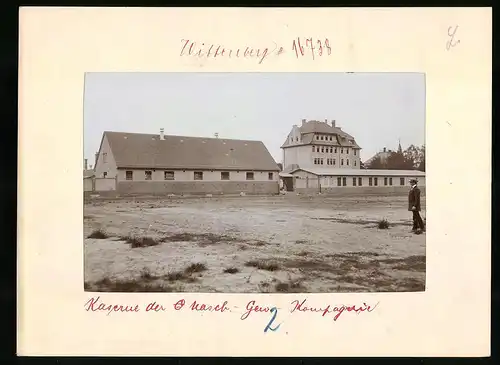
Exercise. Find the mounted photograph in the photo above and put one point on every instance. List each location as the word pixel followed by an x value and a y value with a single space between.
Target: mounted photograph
pixel 254 182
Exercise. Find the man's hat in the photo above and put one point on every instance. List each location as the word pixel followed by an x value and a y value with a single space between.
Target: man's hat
pixel 413 181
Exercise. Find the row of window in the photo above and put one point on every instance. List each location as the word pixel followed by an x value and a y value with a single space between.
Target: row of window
pixel 198 175
pixel 325 149
pixel 372 181
pixel 332 161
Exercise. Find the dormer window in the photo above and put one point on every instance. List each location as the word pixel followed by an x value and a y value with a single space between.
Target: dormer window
pixel 317 137
pixel 321 137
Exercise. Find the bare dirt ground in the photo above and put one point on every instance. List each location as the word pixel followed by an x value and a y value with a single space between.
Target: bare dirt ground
pixel 253 244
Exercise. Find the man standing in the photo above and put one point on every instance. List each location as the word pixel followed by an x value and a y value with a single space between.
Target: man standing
pixel 414 206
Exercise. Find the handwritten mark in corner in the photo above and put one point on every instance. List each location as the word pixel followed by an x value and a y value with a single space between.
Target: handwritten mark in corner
pixel 452 40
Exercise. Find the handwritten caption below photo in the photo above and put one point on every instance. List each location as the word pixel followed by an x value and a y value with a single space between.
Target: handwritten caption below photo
pixel 270 322
pixel 299 48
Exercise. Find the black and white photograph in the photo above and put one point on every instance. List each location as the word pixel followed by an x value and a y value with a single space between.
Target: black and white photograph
pixel 254 182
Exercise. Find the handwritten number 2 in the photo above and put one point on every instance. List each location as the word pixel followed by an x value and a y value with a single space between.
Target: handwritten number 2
pixel 274 311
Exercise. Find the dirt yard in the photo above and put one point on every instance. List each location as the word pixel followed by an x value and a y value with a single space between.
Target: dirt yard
pixel 253 244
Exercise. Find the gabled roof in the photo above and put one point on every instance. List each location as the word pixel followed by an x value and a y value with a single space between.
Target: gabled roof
pixel 134 150
pixel 309 129
pixel 359 172
pixel 315 126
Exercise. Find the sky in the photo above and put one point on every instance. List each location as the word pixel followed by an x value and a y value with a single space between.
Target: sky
pixel 378 109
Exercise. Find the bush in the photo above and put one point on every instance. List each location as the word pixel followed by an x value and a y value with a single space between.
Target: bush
pixel 231 270
pixel 262 265
pixel 383 224
pixel 98 234
pixel 136 242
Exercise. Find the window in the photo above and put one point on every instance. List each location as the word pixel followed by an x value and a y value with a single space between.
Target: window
pixel 321 160
pixel 385 181
pixel 322 149
pixel 168 175
pixel 335 149
pixel 347 151
pixel 104 157
pixel 129 175
pixel 327 161
pixel 104 174
pixel 390 181
pixel 330 138
pixel 321 137
pixel 354 162
pixel 331 149
pixel 344 181
pixel 339 181
pixel 224 175
pixel 333 161
pixel 198 175
pixel 401 181
pixel 315 161
pixel 341 150
pixel 360 181
pixel 375 181
pixel 296 139
pixel 313 149
pixel 347 161
pixel 148 175
pixel 354 152
pixel 342 162
pixel 249 175
pixel 317 137
pixel 353 181
pixel 270 176
pixel 370 181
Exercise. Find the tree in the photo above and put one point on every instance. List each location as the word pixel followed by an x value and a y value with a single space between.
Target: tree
pixel 421 165
pixel 398 161
pixel 377 164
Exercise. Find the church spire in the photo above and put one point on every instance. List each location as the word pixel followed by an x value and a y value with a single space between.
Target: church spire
pixel 400 150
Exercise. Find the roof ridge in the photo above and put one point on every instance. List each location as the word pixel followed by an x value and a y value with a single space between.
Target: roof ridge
pixel 184 136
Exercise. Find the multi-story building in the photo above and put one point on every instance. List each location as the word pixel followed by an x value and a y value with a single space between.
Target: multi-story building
pixel 320 144
pixel 321 157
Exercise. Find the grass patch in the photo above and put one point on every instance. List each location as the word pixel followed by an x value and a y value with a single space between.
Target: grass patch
pixel 99 234
pixel 137 241
pixel 383 224
pixel 410 263
pixel 186 274
pixel 203 239
pixel 263 265
pixel 127 286
pixel 193 268
pixel 231 270
pixel 290 287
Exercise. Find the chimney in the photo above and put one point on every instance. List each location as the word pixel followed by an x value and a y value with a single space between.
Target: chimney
pixel 216 135
pixel 162 135
pixel 333 123
pixel 303 122
pixel 384 149
pixel 85 166
pixel 96 156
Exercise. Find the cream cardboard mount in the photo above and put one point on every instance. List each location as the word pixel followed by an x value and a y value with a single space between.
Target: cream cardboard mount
pixel 451 46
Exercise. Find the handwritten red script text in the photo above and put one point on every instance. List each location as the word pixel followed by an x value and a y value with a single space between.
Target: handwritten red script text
pixel 306 47
pixel 300 306
pixel 94 305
